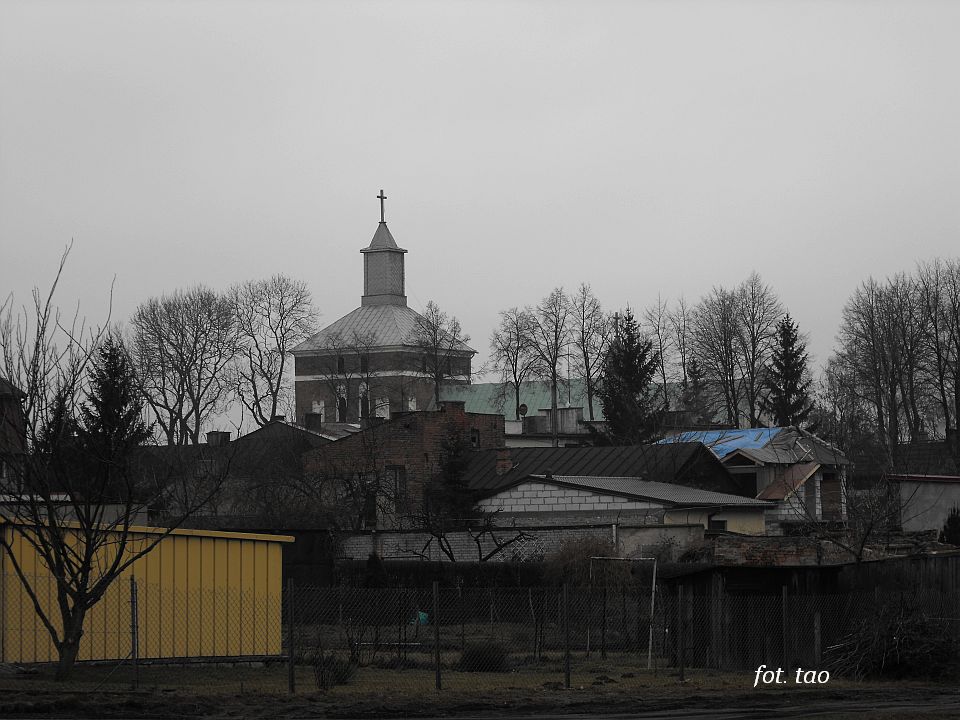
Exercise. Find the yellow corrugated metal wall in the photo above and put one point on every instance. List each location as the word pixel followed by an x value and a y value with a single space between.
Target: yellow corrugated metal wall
pixel 200 594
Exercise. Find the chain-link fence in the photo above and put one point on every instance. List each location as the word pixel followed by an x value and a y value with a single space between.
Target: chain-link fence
pixel 574 635
pixel 479 638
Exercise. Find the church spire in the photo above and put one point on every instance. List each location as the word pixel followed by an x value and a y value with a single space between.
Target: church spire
pixel 383 271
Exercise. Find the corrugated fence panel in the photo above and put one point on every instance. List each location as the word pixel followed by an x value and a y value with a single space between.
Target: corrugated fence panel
pixel 200 594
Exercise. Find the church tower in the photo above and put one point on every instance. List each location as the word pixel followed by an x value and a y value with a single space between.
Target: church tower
pixel 383 275
pixel 368 364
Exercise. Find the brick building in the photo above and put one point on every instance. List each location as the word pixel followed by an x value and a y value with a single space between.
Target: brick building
pixel 13 444
pixel 378 476
pixel 371 362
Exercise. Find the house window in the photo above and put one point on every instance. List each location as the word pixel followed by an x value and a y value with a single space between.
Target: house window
pixel 423 363
pixel 716 524
pixel 364 410
pixel 317 408
pixel 475 439
pixel 340 364
pixel 364 363
pixel 341 409
pixel 382 408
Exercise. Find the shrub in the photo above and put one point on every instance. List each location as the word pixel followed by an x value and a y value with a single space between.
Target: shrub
pixel 330 670
pixel 896 642
pixel 487 656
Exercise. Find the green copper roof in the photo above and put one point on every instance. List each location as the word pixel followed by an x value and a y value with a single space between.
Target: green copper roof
pixel 498 398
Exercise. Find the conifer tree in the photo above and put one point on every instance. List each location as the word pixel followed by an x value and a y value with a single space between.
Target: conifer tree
pixel 625 392
pixel 788 383
pixel 111 420
pixel 694 394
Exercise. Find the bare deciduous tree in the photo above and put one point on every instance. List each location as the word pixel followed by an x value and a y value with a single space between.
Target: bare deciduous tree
pixel 77 489
pixel 590 334
pixel 658 324
pixel 272 316
pixel 512 352
pixel 679 318
pixel 551 334
pixel 443 344
pixel 713 342
pixel 183 344
pixel 758 310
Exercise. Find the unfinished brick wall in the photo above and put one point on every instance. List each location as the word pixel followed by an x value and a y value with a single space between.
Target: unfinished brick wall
pixel 413 442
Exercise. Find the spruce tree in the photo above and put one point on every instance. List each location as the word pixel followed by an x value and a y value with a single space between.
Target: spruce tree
pixel 788 384
pixel 625 391
pixel 111 420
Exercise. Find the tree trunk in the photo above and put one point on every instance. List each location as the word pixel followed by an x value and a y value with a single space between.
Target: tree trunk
pixel 68 649
pixel 553 408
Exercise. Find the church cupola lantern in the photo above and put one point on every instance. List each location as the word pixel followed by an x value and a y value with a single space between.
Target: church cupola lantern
pixel 383 273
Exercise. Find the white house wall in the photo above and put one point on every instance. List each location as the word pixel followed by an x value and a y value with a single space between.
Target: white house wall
pixel 540 497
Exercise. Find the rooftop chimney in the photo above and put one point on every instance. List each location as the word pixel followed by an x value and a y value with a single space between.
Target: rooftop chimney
pixel 453 406
pixel 504 462
pixel 216 438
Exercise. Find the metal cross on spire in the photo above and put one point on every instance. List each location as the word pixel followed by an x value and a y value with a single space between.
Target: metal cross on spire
pixel 382 198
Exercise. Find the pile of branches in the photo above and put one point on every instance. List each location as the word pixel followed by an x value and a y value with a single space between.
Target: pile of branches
pixel 901 641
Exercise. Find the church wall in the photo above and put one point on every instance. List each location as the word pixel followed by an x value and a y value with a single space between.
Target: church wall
pixel 377 362
pixel 399 391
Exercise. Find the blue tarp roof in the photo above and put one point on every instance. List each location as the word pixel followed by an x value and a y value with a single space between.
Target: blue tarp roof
pixel 724 442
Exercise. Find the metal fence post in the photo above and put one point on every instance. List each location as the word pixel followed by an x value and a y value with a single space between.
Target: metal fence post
pixel 603 625
pixel 436 630
pixel 291 669
pixel 816 638
pixel 680 628
pixel 566 639
pixel 134 632
pixel 783 623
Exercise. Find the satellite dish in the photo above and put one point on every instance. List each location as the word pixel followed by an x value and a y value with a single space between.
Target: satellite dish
pixel 523 409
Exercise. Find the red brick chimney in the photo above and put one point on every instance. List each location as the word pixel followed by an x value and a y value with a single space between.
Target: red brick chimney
pixel 504 462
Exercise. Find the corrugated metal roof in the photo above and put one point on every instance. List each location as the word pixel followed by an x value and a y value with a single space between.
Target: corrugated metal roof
pixel 382 240
pixel 374 326
pixel 651 490
pixel 778 445
pixel 685 463
pixel 498 398
pixel 724 442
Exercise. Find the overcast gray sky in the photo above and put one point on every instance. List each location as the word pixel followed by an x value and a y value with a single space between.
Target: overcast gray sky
pixel 646 148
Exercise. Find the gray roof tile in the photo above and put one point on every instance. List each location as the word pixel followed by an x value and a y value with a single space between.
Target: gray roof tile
pixel 371 325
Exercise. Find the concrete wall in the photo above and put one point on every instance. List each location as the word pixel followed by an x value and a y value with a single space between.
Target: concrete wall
pixel 925 505
pixel 666 542
pixel 748 521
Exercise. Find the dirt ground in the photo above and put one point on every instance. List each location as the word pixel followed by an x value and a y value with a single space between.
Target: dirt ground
pixel 261 692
